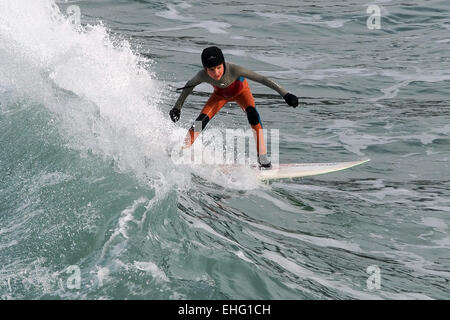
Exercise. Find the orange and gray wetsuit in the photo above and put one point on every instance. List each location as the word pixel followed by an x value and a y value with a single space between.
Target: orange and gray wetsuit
pixel 232 86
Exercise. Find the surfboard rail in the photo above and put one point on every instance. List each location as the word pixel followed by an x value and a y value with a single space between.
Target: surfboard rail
pixel 297 170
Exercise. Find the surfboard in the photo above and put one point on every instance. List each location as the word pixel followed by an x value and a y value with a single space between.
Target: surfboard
pixel 296 170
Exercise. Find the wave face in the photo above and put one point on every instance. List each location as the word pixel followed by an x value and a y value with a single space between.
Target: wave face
pixel 91 206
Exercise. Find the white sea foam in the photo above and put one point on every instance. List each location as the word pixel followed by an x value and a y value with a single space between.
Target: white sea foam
pixel 286 61
pixel 404 79
pixel 173 14
pixel 324 280
pixel 314 20
pixel 215 27
pixel 241 255
pixel 103 93
pixel 416 263
pixel 52 178
pixel 118 239
pixel 420 75
pixel 322 74
pixel 319 241
pixel 196 223
pixel 151 268
pixel 283 205
pixel 437 224
pixel 8 244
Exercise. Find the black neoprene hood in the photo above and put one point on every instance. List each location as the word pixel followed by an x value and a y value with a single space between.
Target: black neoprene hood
pixel 212 57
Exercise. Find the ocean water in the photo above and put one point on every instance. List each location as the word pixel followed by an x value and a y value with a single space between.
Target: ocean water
pixel 91 207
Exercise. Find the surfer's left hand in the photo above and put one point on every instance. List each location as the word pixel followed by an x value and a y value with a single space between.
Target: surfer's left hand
pixel 291 99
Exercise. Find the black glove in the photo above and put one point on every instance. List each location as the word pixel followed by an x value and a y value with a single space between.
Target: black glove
pixel 291 99
pixel 174 114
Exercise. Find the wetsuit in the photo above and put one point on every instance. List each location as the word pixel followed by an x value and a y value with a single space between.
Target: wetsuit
pixel 232 86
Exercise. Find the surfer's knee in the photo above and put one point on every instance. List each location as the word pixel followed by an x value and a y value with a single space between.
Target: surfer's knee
pixel 252 115
pixel 203 119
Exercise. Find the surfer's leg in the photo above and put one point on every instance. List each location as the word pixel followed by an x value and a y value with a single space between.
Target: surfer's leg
pixel 212 106
pixel 247 103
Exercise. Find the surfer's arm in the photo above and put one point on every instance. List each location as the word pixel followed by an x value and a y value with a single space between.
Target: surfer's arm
pixel 260 79
pixel 290 99
pixel 187 89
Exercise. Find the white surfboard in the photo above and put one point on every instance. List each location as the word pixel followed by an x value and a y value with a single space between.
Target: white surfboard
pixel 295 170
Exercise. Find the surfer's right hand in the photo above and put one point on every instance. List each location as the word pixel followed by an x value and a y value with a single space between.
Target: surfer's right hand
pixel 174 114
pixel 291 99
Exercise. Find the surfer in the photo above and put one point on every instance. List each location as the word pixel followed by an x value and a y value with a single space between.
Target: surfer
pixel 230 84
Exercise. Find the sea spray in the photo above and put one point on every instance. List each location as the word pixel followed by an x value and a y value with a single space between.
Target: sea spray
pixel 104 95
